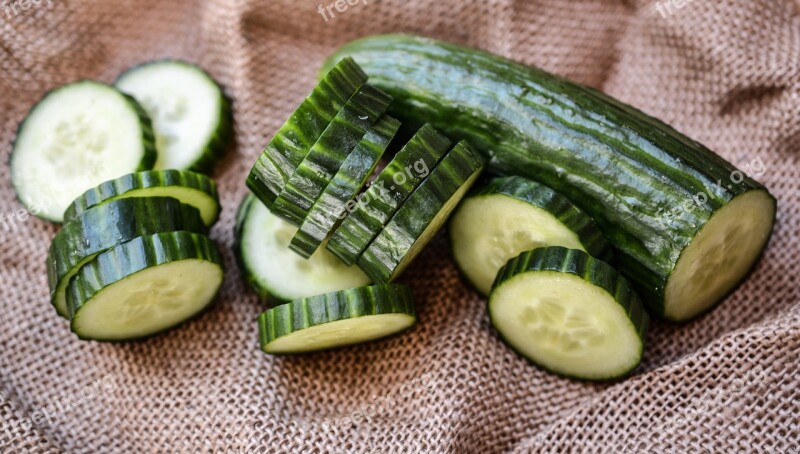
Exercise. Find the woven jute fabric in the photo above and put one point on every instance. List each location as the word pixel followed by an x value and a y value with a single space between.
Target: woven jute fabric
pixel 725 72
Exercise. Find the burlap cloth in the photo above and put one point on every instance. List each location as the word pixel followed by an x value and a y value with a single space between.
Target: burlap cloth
pixel 725 72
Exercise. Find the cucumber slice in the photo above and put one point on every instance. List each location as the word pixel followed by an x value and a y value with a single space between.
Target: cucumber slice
pixel 422 215
pixel 511 215
pixel 144 286
pixel 191 188
pixel 107 225
pixel 569 313
pixel 191 116
pixel 332 205
pixel 325 157
pixel 273 270
pixel 336 319
pixel 76 137
pixel 290 144
pixel 384 196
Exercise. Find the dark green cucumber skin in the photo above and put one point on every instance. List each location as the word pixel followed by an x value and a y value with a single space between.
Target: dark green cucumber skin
pixel 325 157
pixel 596 272
pixel 222 137
pixel 148 136
pixel 241 217
pixel 137 255
pixel 383 198
pixel 621 166
pixel 330 307
pixel 386 252
pixel 293 140
pixel 116 222
pixel 112 189
pixel 331 206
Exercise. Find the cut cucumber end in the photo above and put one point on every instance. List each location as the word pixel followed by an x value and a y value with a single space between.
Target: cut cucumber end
pixel 720 256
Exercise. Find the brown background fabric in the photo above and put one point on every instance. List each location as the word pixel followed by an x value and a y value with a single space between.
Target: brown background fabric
pixel 725 72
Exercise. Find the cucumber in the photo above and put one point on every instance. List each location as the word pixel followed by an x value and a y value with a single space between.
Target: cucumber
pixel 325 157
pixel 334 202
pixel 275 272
pixel 190 188
pixel 336 319
pixel 422 215
pixel 569 313
pixel 510 215
pixel 103 227
pixel 634 175
pixel 76 137
pixel 290 144
pixel 409 167
pixel 191 116
pixel 145 286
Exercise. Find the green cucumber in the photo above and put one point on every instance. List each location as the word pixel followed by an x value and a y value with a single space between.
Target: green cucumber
pixel 510 215
pixel 409 167
pixel 145 286
pixel 275 272
pixel 686 226
pixel 290 144
pixel 337 198
pixel 421 215
pixel 325 157
pixel 191 188
pixel 76 137
pixel 103 227
pixel 336 319
pixel 569 313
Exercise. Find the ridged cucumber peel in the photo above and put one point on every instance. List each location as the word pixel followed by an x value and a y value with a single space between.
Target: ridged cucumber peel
pixel 290 144
pixel 569 313
pixel 650 189
pixel 275 272
pixel 326 156
pixel 510 215
pixel 334 202
pixel 395 183
pixel 77 136
pixel 336 319
pixel 191 115
pixel 191 188
pixel 145 286
pixel 421 215
pixel 103 227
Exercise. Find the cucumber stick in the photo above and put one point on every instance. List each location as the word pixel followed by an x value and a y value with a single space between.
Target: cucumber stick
pixel 570 313
pixel 422 215
pixel 145 286
pixel 76 137
pixel 275 272
pixel 103 227
pixel 190 188
pixel 191 116
pixel 336 319
pixel 511 215
pixel 686 225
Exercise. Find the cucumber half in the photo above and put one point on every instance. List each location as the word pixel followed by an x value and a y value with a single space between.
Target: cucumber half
pixel 336 319
pixel 191 116
pixel 569 313
pixel 76 137
pixel 144 286
pixel 191 188
pixel 511 215
pixel 103 227
pixel 275 271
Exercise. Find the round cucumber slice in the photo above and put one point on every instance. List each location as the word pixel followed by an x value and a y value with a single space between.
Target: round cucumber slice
pixel 144 286
pixel 277 273
pixel 76 137
pixel 336 319
pixel 569 313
